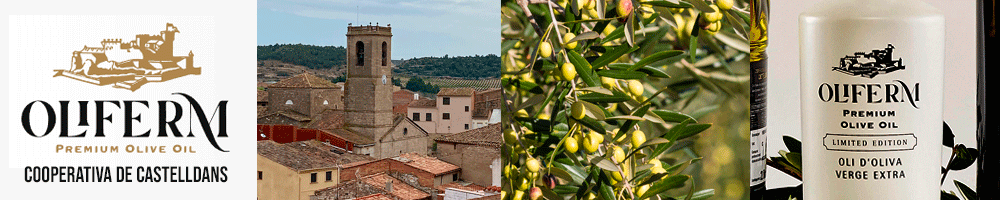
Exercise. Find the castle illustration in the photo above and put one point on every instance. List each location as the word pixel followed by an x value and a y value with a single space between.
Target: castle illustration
pixel 129 65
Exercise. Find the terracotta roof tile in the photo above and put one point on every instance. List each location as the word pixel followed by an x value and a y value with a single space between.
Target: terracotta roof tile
pixel 423 103
pixel 305 155
pixel 371 187
pixel 399 188
pixel 462 186
pixel 456 92
pixel 261 96
pixel 352 137
pixel 304 80
pixel 427 163
pixel 328 120
pixel 288 113
pixel 260 111
pixel 489 135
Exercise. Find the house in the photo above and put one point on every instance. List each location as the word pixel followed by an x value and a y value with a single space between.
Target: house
pixel 476 150
pixel 401 99
pixel 464 191
pixel 296 170
pixel 486 109
pixel 297 100
pixel 451 111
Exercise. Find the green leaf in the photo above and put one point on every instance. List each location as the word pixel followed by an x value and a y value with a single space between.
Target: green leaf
pixel 630 29
pixel 591 124
pixel 524 85
pixel 692 130
pixel 793 158
pixel 964 157
pixel 668 4
pixel 678 168
pixel 584 36
pixel 671 182
pixel 627 126
pixel 948 196
pixel 604 163
pixel 594 111
pixel 673 116
pixel 701 5
pixel 607 192
pixel 794 145
pixel 966 192
pixel 550 195
pixel 603 98
pixel 732 41
pixel 611 56
pixel 531 102
pixel 621 74
pixel 655 57
pixel 576 173
pixel 699 195
pixel 626 117
pixel 597 90
pixel 736 24
pixel 584 69
pixel 693 47
pixel 649 70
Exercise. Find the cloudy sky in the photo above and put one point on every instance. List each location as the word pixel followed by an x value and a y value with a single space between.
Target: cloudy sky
pixel 420 28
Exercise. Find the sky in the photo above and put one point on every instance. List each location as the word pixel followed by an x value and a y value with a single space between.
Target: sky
pixel 420 28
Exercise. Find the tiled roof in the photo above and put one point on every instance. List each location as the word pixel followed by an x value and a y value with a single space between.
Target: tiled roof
pixel 348 190
pixel 399 188
pixel 489 135
pixel 489 95
pixel 375 197
pixel 260 111
pixel 288 113
pixel 304 80
pixel 456 92
pixel 423 103
pixel 261 96
pixel 352 137
pixel 328 120
pixel 305 155
pixel 427 163
pixel 462 186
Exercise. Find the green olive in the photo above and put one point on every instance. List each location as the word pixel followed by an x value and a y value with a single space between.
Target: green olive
pixel 724 4
pixel 568 71
pixel 638 137
pixel 577 110
pixel 567 37
pixel 571 145
pixel 533 164
pixel 545 50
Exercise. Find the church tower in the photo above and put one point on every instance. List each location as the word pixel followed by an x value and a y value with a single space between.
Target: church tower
pixel 368 94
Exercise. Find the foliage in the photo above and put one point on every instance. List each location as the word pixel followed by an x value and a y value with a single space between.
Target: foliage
pixel 417 84
pixel 585 85
pixel 314 57
pixel 790 162
pixel 476 67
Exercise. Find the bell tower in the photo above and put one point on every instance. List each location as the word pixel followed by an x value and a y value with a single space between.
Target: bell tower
pixel 368 97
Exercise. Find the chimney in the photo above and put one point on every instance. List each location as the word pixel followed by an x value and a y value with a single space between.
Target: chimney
pixel 416 96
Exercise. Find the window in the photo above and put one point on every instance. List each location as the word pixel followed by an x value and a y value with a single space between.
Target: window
pixel 428 117
pixel 454 177
pixel 385 55
pixel 289 102
pixel 446 100
pixel 260 175
pixel 360 48
pixel 466 126
pixel 446 116
pixel 329 176
pixel 312 178
pixel 404 131
pixel 466 108
pixel 416 117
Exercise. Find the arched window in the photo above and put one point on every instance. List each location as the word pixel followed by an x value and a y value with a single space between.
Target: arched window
pixel 384 53
pixel 404 131
pixel 360 47
pixel 289 102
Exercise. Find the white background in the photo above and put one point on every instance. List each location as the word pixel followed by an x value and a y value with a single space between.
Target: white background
pixel 783 112
pixel 221 35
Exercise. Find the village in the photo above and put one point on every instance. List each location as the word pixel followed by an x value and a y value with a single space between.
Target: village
pixel 369 139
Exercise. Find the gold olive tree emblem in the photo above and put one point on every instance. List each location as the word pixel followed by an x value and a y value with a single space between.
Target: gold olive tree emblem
pixel 130 65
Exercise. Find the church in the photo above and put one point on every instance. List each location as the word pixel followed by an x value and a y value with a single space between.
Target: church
pixel 361 111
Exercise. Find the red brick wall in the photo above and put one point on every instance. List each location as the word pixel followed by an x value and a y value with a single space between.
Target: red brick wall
pixel 286 133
